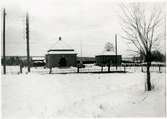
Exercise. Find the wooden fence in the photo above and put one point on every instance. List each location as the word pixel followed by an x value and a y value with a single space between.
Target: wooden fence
pixel 87 69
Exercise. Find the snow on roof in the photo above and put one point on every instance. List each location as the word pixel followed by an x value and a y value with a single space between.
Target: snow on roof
pixel 38 58
pixel 62 52
pixel 60 44
pixel 60 47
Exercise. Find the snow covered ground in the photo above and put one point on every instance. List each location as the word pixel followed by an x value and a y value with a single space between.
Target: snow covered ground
pixel 42 95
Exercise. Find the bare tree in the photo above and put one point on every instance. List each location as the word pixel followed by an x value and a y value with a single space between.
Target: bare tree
pixel 141 28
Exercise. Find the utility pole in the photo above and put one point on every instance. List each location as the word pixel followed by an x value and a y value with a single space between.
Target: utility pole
pixel 4 57
pixel 27 38
pixel 116 49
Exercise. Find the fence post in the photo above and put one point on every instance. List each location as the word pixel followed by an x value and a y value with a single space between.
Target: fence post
pixel 50 70
pixel 159 69
pixel 109 68
pixel 101 68
pixel 21 67
pixel 141 68
pixel 124 68
pixel 77 68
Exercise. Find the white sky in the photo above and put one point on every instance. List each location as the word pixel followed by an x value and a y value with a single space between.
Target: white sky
pixel 88 21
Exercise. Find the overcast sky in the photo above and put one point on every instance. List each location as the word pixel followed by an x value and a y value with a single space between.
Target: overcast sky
pixel 86 23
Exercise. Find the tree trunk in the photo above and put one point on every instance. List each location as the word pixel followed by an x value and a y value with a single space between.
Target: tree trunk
pixel 148 77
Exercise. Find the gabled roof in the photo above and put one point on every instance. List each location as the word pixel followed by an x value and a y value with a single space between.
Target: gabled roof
pixel 61 47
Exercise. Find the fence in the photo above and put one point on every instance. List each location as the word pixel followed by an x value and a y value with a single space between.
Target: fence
pixel 88 69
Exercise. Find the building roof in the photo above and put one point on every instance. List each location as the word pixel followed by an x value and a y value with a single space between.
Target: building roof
pixel 62 52
pixel 61 47
pixel 38 58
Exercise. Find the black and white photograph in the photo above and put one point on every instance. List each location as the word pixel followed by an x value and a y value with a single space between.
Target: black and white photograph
pixel 83 59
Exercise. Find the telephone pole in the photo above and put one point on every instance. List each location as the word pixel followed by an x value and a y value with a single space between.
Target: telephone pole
pixel 116 49
pixel 4 57
pixel 27 38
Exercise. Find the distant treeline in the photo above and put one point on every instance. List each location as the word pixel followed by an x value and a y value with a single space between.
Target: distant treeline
pixel 156 56
pixel 142 64
pixel 17 60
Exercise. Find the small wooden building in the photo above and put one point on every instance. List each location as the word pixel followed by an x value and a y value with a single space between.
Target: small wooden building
pixel 108 57
pixel 61 55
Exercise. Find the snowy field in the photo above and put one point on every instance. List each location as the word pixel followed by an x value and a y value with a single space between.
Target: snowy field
pixel 42 95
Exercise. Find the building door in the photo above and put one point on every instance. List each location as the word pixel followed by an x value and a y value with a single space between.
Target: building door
pixel 63 62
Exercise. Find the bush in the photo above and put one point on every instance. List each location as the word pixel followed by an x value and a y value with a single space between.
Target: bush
pixel 158 56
